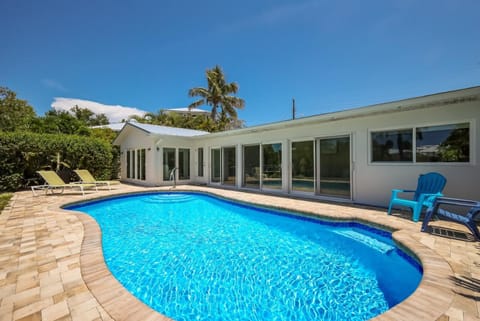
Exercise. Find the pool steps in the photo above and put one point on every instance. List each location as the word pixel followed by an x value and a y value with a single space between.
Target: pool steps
pixel 367 240
pixel 359 237
pixel 168 198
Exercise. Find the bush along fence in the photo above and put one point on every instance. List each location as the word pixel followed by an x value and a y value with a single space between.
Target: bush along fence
pixel 23 153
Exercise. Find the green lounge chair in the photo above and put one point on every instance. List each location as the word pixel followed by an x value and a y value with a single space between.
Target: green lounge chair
pixel 429 187
pixel 53 181
pixel 87 178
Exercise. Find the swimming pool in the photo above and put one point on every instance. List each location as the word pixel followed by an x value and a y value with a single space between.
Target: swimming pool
pixel 195 257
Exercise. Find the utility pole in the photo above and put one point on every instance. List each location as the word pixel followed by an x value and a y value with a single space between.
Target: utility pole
pixel 293 108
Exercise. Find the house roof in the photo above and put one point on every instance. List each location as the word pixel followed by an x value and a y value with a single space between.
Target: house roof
pixel 159 130
pixel 185 110
pixel 428 101
pixel 115 126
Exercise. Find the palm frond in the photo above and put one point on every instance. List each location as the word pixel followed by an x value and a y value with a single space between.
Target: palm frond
pixel 218 95
pixel 196 104
pixel 198 91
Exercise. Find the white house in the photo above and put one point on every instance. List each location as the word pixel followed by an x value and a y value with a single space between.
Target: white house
pixel 357 155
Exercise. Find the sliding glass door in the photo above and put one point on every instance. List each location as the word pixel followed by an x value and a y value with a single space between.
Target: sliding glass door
pixel 251 166
pixel 229 168
pixel 334 166
pixel 183 163
pixel 303 169
pixel 215 165
pixel 168 162
pixel 272 166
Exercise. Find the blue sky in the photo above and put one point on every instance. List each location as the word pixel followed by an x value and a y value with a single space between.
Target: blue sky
pixel 328 55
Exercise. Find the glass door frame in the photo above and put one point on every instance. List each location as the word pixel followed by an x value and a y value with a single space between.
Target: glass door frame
pixel 318 166
pixel 211 169
pixel 290 171
pixel 243 178
pixel 264 187
pixel 222 163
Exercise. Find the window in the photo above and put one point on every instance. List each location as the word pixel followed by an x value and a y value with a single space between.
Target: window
pixel 128 165
pixel 132 160
pixel 183 163
pixel 168 162
pixel 200 162
pixel 448 143
pixel 303 166
pixel 272 166
pixel 229 168
pixel 392 146
pixel 251 166
pixel 215 165
pixel 138 171
pixel 444 143
pixel 334 166
pixel 141 164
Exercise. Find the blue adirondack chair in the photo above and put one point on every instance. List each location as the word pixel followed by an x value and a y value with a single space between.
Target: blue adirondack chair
pixel 429 187
pixel 469 220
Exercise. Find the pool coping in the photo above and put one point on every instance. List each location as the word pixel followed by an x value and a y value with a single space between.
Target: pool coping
pixel 52 267
pixel 122 305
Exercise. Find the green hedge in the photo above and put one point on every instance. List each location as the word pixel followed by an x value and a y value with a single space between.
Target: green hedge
pixel 23 153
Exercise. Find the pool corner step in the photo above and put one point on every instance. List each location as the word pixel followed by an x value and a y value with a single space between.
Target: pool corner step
pixel 366 240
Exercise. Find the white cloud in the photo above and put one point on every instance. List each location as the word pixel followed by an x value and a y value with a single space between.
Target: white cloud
pixel 53 84
pixel 115 113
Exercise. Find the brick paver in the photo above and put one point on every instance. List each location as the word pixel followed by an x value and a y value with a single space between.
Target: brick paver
pixel 52 267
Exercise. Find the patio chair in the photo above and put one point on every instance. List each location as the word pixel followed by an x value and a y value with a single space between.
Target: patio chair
pixel 469 220
pixel 87 178
pixel 53 181
pixel 429 187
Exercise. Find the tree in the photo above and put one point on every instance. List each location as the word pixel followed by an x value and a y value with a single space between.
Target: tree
pixel 60 122
pixel 89 118
pixel 15 114
pixel 218 95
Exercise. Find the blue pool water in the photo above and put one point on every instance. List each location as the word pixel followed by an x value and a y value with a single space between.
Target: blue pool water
pixel 195 257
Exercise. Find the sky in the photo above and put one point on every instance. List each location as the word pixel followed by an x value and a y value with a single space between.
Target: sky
pixel 145 55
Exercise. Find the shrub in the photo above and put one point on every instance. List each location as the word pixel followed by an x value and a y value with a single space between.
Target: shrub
pixel 23 153
pixel 4 199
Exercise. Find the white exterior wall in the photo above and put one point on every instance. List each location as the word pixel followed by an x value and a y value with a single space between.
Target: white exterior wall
pixel 371 183
pixel 374 181
pixel 177 143
pixel 136 139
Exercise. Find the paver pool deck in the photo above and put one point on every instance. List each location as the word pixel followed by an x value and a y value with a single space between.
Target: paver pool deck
pixel 52 267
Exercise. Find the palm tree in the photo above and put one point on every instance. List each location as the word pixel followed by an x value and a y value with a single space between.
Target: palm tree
pixel 218 95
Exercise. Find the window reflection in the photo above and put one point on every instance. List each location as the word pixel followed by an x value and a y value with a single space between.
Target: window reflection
pixel 272 166
pixel 168 162
pixel 302 166
pixel 184 163
pixel 215 166
pixel 392 146
pixel 229 169
pixel 448 143
pixel 251 166
pixel 200 162
pixel 335 166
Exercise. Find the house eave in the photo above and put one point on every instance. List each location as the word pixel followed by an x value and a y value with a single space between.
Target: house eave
pixel 422 102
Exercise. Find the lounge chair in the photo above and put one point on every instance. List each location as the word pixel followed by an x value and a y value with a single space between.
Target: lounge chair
pixel 469 220
pixel 53 181
pixel 87 178
pixel 429 187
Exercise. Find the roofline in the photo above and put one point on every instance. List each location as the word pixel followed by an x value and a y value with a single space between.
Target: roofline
pixel 154 134
pixel 123 128
pixel 420 102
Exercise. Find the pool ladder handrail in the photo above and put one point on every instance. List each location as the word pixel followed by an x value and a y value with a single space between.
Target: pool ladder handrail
pixel 173 176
